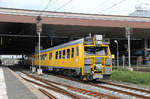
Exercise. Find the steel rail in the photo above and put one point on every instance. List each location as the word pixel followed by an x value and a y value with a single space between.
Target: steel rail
pixel 80 90
pixel 53 88
pixel 120 91
pixel 108 88
pixel 47 94
pixel 124 86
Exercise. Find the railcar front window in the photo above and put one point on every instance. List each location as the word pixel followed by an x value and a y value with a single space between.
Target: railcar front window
pixel 98 51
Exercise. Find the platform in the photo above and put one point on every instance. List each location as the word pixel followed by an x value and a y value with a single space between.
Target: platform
pixel 12 88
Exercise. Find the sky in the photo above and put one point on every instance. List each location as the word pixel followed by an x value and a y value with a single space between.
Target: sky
pixel 107 7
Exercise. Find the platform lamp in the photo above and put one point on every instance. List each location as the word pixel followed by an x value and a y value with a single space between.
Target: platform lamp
pixel 39 30
pixel 117 52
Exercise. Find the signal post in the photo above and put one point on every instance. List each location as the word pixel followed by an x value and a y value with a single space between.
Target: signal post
pixel 39 31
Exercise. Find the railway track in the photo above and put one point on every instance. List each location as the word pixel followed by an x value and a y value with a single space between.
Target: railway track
pixel 47 93
pixel 142 69
pixel 113 87
pixel 71 90
pixel 123 89
pixel 125 86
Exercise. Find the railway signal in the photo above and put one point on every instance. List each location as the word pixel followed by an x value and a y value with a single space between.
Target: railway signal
pixel 39 30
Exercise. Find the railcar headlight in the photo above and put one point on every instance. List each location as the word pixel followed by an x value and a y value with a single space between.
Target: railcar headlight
pixel 109 56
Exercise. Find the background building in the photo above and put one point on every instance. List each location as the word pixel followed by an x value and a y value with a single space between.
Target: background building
pixel 142 10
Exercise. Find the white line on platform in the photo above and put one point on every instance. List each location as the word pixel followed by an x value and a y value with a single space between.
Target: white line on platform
pixel 3 90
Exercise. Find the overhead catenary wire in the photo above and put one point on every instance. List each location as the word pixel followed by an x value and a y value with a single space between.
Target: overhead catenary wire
pixel 46 7
pixel 63 5
pixel 102 3
pixel 112 6
pixel 41 12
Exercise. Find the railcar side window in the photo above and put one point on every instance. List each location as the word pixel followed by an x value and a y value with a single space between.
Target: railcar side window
pixel 44 56
pixel 72 53
pixel 64 52
pixel 50 56
pixel 59 54
pixel 77 51
pixel 41 57
pixel 68 53
pixel 36 57
pixel 56 55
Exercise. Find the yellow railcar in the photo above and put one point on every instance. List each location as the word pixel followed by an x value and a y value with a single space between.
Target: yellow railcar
pixel 89 58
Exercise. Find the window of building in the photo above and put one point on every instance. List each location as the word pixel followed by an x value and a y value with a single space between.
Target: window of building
pixel 72 53
pixel 64 53
pixel 77 51
pixel 68 53
pixel 59 54
pixel 50 56
pixel 56 55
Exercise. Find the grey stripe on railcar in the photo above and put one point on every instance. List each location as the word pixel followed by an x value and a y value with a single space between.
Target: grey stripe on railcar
pixel 64 45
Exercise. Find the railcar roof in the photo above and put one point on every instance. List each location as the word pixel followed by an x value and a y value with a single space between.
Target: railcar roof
pixel 79 41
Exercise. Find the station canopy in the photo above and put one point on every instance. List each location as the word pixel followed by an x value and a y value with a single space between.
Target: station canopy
pixel 18 33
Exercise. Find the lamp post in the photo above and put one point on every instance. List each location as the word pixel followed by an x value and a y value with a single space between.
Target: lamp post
pixel 128 34
pixel 117 53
